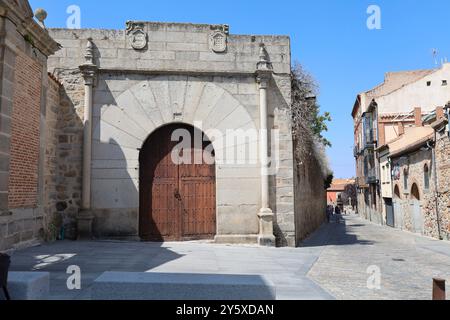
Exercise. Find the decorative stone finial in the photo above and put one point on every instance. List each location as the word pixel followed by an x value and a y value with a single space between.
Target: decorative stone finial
pixel 89 54
pixel 89 69
pixel 41 15
pixel 262 52
pixel 264 63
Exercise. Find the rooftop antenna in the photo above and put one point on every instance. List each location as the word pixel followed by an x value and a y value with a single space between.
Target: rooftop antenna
pixel 435 53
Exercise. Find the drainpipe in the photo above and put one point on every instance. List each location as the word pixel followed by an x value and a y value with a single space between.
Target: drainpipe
pixel 266 216
pixel 447 107
pixel 85 216
pixel 436 185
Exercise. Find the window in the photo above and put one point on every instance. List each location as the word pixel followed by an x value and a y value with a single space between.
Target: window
pixel 368 125
pixel 415 194
pixel 397 192
pixel 444 82
pixel 428 83
pixel 426 177
pixel 405 180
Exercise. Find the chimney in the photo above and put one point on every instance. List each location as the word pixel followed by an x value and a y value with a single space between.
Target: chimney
pixel 418 117
pixel 401 129
pixel 439 113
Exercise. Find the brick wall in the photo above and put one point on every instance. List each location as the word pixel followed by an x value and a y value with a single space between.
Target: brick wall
pixel 25 132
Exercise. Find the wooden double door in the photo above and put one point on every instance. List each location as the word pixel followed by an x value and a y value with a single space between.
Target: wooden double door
pixel 177 198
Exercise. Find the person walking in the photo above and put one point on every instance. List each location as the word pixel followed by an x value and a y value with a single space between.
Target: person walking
pixel 329 213
pixel 337 212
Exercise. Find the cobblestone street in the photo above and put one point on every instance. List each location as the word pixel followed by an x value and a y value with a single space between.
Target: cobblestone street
pixel 332 263
pixel 407 262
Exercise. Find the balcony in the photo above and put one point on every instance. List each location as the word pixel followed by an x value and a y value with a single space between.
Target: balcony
pixel 370 142
pixel 361 183
pixel 371 176
pixel 356 151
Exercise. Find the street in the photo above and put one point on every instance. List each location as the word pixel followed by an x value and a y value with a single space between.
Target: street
pixel 331 264
pixel 407 262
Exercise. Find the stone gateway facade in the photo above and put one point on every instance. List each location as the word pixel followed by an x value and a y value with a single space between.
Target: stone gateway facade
pixel 138 81
pixel 159 132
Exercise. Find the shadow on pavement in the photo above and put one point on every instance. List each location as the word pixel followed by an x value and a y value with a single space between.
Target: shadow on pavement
pixel 93 258
pixel 335 233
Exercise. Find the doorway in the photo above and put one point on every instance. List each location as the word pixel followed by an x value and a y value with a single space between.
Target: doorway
pixel 177 188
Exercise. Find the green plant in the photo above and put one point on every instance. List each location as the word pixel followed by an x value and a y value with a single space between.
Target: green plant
pixel 329 181
pixel 305 109
pixel 29 39
pixel 51 230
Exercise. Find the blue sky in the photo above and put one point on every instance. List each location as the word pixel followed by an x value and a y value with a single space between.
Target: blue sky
pixel 329 37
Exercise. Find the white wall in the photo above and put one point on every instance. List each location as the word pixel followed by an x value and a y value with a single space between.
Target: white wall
pixel 418 94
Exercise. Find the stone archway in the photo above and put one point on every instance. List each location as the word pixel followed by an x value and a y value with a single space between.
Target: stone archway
pixel 177 198
pixel 121 129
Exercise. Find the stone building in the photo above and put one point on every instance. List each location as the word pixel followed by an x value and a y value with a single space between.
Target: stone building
pixel 335 191
pixel 25 88
pixel 160 131
pixel 442 179
pixel 419 165
pixel 139 85
pixel 382 115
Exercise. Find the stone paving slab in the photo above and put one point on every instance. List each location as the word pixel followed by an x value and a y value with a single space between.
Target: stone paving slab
pixel 285 267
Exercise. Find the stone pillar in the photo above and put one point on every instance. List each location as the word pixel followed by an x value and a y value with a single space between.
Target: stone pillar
pixel 265 215
pixel 85 217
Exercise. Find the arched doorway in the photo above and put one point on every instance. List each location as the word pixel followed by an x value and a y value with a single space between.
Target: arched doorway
pixel 177 198
pixel 398 210
pixel 416 210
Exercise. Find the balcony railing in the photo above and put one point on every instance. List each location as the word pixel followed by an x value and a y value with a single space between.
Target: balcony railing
pixel 371 176
pixel 370 141
pixel 356 151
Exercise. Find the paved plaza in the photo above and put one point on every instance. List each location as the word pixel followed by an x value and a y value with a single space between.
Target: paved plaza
pixel 332 264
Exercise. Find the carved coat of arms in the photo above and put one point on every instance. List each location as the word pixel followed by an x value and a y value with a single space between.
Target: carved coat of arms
pixel 138 38
pixel 218 39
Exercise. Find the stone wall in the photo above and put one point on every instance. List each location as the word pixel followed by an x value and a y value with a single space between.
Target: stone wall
pixel 368 210
pixel 69 149
pixel 443 172
pixel 414 163
pixel 52 223
pixel 24 48
pixel 171 47
pixel 310 197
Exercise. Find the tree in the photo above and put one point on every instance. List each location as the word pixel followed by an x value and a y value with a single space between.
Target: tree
pixel 305 110
pixel 308 124
pixel 329 181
